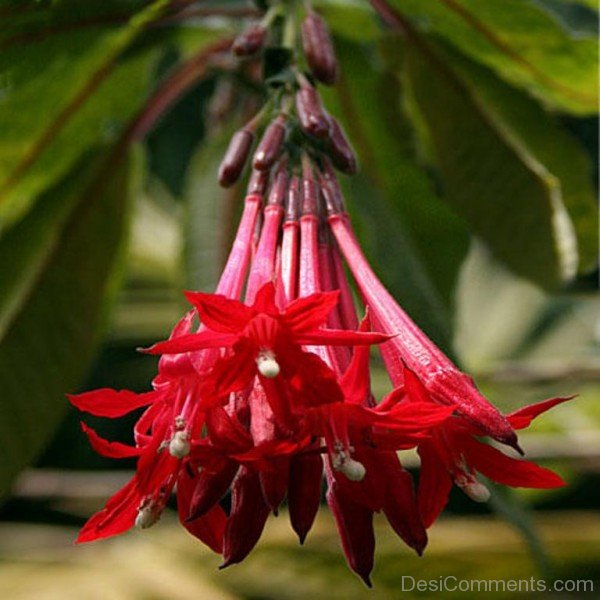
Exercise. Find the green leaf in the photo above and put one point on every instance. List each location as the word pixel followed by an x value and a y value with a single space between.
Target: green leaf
pixel 66 253
pixel 49 116
pixel 521 42
pixel 489 176
pixel 545 141
pixel 368 100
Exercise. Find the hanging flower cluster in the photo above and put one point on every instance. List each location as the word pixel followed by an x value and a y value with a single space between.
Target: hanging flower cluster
pixel 263 388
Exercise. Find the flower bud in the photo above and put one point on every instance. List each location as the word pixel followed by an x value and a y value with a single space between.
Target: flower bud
pixel 250 41
pixel 258 182
pixel 310 112
pixel 235 157
pixel 148 515
pixel 341 152
pixel 318 48
pixel 270 145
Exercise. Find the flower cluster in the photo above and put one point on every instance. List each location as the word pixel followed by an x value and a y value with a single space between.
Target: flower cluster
pixel 263 388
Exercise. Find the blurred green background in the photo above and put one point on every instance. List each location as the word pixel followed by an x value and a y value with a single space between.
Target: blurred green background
pixel 476 203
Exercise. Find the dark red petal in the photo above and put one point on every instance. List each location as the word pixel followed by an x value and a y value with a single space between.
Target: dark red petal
pixel 355 526
pixel 226 432
pixel 116 517
pixel 310 312
pixel 209 528
pixel 220 313
pixel 107 402
pixel 274 481
pixel 338 337
pixel 210 488
pixel 304 493
pixel 505 470
pixel 109 449
pixel 264 301
pixel 400 505
pixel 435 484
pixel 249 513
pixel 192 342
pixel 522 418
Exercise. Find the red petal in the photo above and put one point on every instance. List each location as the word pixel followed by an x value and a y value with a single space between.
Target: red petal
pixel 116 517
pixel 522 418
pixel 339 337
pixel 106 402
pixel 247 519
pixel 230 374
pixel 220 313
pixel 184 325
pixel 414 389
pixel 435 484
pixel 209 528
pixel 356 381
pixel 310 312
pixel 209 489
pixel 191 343
pixel 355 526
pixel 264 302
pixel 505 470
pixel 304 493
pixel 109 449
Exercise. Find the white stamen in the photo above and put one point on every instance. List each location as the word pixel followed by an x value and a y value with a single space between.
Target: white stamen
pixel 477 491
pixel 147 516
pixel 267 365
pixel 352 469
pixel 179 446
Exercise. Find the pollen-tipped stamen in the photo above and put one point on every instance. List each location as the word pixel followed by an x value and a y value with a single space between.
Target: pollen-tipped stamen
pixel 267 365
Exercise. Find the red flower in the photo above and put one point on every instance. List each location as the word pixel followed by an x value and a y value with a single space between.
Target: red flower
pixel 454 455
pixel 267 342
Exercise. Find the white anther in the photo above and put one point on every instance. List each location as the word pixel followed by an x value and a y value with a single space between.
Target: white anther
pixel 147 516
pixel 477 491
pixel 179 446
pixel 353 470
pixel 267 365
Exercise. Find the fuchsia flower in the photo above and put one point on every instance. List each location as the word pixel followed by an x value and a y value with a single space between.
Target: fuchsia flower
pixel 268 396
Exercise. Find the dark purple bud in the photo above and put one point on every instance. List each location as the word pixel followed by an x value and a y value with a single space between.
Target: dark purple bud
pixel 318 48
pixel 250 41
pixel 311 115
pixel 330 189
pixel 341 152
pixel 292 204
pixel 235 157
pixel 270 145
pixel 310 193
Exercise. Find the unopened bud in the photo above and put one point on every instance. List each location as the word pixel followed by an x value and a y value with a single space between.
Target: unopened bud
pixel 477 491
pixel 310 112
pixel 179 446
pixel 341 152
pixel 235 157
pixel 267 365
pixel 318 48
pixel 250 41
pixel 270 145
pixel 258 182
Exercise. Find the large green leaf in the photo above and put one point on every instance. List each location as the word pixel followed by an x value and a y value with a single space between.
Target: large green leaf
pixel 63 92
pixel 521 42
pixel 543 139
pixel 490 177
pixel 368 100
pixel 65 251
